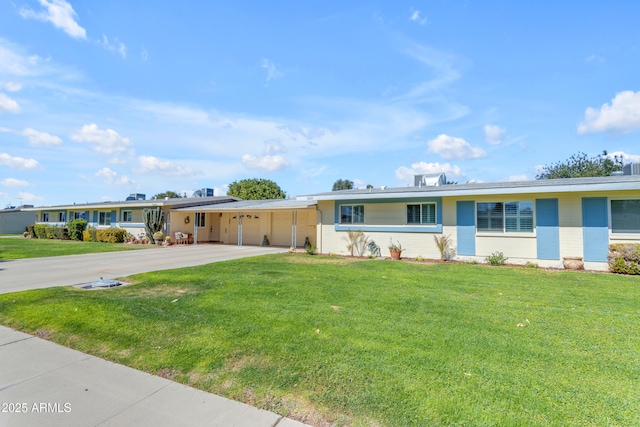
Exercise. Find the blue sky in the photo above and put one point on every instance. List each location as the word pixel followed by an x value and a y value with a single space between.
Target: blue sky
pixel 102 99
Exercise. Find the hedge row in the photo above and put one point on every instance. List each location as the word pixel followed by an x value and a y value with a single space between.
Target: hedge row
pixel 42 231
pixel 108 235
pixel 624 258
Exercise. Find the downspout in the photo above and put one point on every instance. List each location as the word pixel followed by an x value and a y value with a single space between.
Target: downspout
pixel 196 219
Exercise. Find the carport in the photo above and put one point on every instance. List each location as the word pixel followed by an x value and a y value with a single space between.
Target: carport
pixel 277 222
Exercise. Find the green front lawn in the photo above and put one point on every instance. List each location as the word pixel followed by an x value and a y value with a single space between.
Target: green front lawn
pixel 362 343
pixel 33 248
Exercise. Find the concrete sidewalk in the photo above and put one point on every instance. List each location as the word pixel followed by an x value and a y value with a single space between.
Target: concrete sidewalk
pixel 45 384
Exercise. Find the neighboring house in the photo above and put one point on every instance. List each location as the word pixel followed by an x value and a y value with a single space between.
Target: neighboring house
pixel 123 214
pixel 14 220
pixel 538 221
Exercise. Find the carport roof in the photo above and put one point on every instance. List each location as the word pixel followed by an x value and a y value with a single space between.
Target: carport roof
pixel 253 205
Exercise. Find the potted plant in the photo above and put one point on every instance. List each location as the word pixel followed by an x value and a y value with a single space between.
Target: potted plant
pixel 158 237
pixel 395 249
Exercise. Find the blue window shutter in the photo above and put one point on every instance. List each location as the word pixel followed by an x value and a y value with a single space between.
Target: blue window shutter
pixel 95 217
pixel 595 228
pixel 547 229
pixel 466 227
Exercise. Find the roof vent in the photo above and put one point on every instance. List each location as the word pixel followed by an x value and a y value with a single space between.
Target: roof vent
pixel 203 192
pixel 430 180
pixel 136 196
pixel 384 187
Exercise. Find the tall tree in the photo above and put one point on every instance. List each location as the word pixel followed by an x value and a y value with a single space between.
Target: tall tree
pixel 169 194
pixel 581 166
pixel 342 184
pixel 255 189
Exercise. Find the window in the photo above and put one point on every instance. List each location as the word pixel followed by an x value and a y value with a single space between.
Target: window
pixel 77 215
pixel 625 216
pixel 352 214
pixel 127 216
pixel 61 217
pixel 200 216
pixel 104 218
pixel 421 214
pixel 509 217
pixel 45 217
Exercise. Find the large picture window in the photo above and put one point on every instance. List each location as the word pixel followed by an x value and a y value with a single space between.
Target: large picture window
pixel 127 216
pixel 421 214
pixel 352 214
pixel 505 217
pixel 625 216
pixel 104 218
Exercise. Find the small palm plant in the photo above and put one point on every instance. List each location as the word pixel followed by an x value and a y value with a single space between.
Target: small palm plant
pixel 444 246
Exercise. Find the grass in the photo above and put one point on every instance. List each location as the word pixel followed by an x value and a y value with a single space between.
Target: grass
pixel 336 341
pixel 33 248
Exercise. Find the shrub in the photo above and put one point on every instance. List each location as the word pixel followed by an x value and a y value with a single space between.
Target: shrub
pixel 111 235
pixel 40 230
pixel 76 227
pixel 356 242
pixel 530 264
pixel 31 231
pixel 89 235
pixel 311 249
pixel 444 246
pixel 60 233
pixel 624 258
pixel 496 258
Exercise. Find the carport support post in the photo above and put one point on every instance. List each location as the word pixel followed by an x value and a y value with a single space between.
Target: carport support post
pixel 294 216
pixel 240 229
pixel 195 228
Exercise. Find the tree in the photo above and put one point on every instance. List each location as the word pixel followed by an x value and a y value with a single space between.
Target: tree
pixel 581 166
pixel 255 189
pixel 342 185
pixel 169 194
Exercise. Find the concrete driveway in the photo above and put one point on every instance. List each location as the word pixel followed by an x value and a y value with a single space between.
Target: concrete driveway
pixel 36 273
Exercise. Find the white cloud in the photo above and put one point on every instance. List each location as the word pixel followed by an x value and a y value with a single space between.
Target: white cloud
pixel 118 47
pixel 407 174
pixel 594 58
pixel 516 178
pixel 107 142
pixel 12 182
pixel 270 67
pixel 150 164
pixel 29 198
pixel 493 134
pixel 18 162
pixel 221 190
pixel 416 17
pixel 112 178
pixel 626 157
pixel 622 115
pixel 41 139
pixel 266 163
pixel 12 86
pixel 60 14
pixel 450 147
pixel 7 104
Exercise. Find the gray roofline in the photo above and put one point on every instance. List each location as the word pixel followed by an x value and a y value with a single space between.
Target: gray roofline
pixel 567 185
pixel 254 205
pixel 185 201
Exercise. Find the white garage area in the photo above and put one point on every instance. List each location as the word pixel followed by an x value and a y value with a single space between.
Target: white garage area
pixel 284 222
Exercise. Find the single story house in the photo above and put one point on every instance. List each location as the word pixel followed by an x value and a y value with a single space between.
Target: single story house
pixel 14 220
pixel 540 221
pixel 128 214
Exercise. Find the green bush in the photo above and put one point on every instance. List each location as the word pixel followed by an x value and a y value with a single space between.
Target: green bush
pixel 111 235
pixel 60 233
pixel 311 249
pixel 89 235
pixel 75 228
pixel 31 231
pixel 624 258
pixel 40 230
pixel 43 231
pixel 496 258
